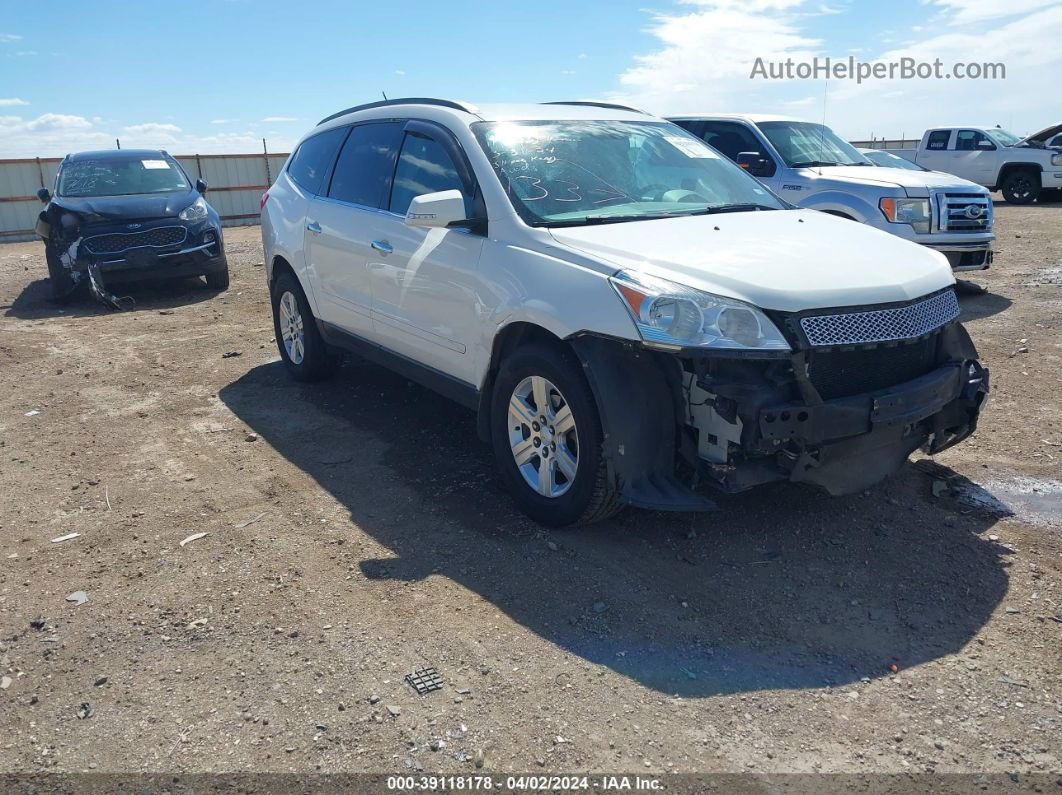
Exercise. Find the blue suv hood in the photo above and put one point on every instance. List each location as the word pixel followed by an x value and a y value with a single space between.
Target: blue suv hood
pixel 138 205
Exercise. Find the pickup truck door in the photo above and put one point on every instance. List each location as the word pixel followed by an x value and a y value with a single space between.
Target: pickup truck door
pixel 933 152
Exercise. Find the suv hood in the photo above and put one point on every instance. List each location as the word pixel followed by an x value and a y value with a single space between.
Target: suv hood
pixel 788 260
pixel 915 183
pixel 134 206
pixel 1042 136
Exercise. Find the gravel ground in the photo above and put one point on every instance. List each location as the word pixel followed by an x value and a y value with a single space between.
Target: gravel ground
pixel 354 532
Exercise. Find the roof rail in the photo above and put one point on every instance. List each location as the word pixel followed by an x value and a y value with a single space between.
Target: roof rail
pixel 589 104
pixel 444 103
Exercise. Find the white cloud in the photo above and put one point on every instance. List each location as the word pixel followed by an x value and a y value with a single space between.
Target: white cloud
pixel 274 119
pixel 152 128
pixel 7 38
pixel 705 49
pixel 400 72
pixel 221 121
pixel 48 135
pixel 10 102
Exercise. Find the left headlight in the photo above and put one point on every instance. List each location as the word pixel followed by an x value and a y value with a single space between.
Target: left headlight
pixel 1056 160
pixel 907 211
pixel 672 315
pixel 196 211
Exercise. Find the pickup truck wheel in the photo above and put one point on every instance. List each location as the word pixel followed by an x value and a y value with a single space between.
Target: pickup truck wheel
pixel 1021 187
pixel 547 439
pixel 304 352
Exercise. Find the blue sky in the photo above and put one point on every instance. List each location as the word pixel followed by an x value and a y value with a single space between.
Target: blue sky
pixel 218 76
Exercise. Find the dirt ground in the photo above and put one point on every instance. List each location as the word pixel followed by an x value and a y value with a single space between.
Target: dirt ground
pixel 355 531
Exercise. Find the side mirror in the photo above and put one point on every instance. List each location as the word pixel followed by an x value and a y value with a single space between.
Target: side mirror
pixel 983 144
pixel 438 210
pixel 754 163
pixel 201 185
pixel 44 195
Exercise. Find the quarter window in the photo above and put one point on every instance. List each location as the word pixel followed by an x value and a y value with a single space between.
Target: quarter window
pixel 423 167
pixel 363 170
pixel 313 159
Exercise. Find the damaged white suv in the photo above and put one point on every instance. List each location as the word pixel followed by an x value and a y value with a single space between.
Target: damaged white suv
pixel 631 315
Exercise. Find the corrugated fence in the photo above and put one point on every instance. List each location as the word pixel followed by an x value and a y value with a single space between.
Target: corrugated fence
pixel 236 183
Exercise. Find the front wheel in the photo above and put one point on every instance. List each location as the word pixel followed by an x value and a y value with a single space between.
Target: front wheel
pixel 303 350
pixel 547 439
pixel 1021 187
pixel 218 280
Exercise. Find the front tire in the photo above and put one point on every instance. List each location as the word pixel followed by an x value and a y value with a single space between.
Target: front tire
pixel 547 439
pixel 303 350
pixel 60 283
pixel 1021 187
pixel 219 280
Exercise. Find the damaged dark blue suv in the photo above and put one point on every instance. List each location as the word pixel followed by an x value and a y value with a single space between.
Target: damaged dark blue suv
pixel 124 215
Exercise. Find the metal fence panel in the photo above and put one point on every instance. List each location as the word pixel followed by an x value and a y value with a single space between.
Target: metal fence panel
pixel 236 184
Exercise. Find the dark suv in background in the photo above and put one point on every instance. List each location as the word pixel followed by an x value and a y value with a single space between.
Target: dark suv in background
pixel 128 214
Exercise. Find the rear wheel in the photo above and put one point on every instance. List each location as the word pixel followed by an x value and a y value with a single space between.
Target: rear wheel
pixel 1021 186
pixel 304 352
pixel 547 439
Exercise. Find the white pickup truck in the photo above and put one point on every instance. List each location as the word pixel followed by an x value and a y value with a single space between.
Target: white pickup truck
pixel 810 166
pixel 1022 168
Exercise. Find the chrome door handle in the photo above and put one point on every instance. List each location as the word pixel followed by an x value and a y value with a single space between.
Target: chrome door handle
pixel 314 227
pixel 382 246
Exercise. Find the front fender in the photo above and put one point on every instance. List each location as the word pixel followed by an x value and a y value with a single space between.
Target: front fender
pixel 835 201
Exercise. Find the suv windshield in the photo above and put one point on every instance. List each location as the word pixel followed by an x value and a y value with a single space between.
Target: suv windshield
pixel 112 176
pixel 1001 136
pixel 563 173
pixel 802 144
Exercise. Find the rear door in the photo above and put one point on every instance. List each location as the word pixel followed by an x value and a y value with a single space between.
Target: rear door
pixel 344 220
pixel 937 154
pixel 424 281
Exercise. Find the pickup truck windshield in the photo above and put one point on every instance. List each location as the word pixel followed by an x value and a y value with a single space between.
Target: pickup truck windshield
pixel 568 173
pixel 120 177
pixel 802 144
pixel 1001 136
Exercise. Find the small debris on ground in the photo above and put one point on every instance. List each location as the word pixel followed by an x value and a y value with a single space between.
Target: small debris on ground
pixel 67 537
pixel 230 354
pixel 394 710
pixel 425 680
pixel 260 517
pixel 5 682
pixel 84 711
pixel 78 597
pixel 100 681
pixel 32 413
pixel 193 537
pixel 251 437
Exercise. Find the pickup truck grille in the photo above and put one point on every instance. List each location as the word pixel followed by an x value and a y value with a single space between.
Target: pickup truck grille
pixel 963 212
pixel 882 325
pixel 116 242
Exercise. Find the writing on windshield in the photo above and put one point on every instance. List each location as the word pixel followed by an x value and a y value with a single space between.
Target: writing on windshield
pixel 569 170
pixel 119 177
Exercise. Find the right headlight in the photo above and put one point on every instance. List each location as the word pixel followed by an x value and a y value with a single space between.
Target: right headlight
pixel 673 315
pixel 1056 160
pixel 907 211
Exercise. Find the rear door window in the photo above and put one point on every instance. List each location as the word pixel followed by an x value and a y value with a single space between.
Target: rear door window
pixel 423 167
pixel 314 157
pixel 938 139
pixel 363 171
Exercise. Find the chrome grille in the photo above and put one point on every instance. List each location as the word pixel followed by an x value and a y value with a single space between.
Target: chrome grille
pixel 882 325
pixel 963 212
pixel 115 242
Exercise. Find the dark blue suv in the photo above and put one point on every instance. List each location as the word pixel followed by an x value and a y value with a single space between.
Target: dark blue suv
pixel 128 214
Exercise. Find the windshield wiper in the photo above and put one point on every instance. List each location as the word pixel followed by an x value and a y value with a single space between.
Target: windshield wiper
pixel 815 164
pixel 590 220
pixel 730 208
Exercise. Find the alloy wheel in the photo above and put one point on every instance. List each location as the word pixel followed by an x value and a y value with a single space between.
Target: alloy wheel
pixel 543 437
pixel 291 330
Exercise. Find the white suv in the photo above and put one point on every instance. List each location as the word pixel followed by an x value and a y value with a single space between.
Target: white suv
pixel 629 314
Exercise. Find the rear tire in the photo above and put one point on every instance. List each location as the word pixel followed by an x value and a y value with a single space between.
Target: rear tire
pixel 575 490
pixel 219 280
pixel 1021 186
pixel 302 349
